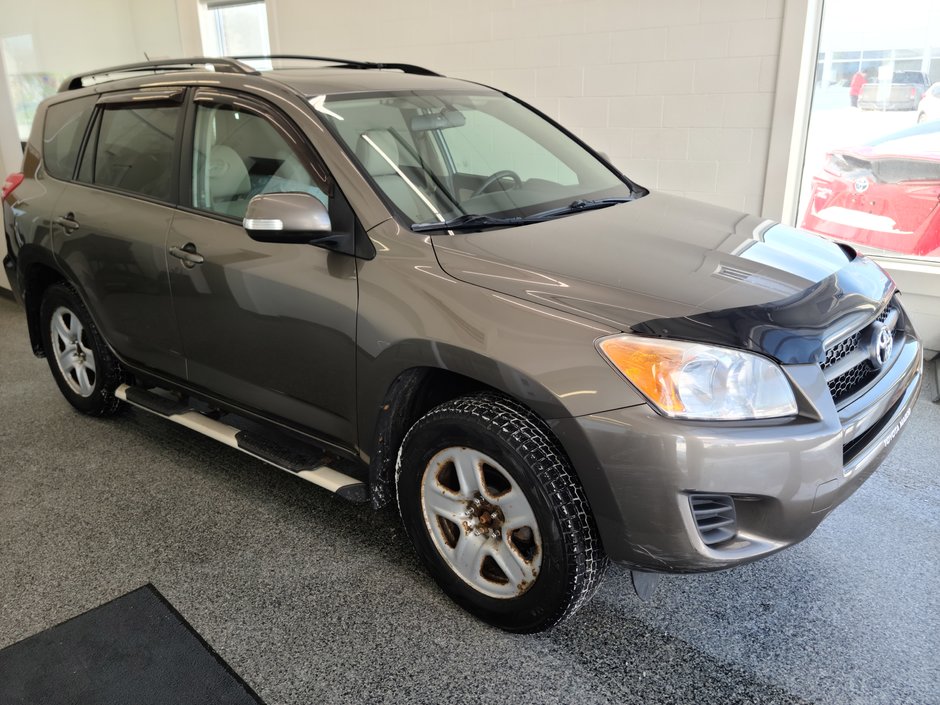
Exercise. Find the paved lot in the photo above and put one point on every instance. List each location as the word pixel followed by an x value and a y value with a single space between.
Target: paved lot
pixel 312 599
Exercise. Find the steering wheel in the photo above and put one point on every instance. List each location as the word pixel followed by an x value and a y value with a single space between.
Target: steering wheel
pixel 496 176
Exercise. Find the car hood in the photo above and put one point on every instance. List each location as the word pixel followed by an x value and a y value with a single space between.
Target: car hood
pixel 671 267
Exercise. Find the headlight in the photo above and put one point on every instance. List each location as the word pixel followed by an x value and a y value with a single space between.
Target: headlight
pixel 694 381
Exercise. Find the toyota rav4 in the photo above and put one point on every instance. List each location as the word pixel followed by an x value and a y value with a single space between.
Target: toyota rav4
pixel 405 287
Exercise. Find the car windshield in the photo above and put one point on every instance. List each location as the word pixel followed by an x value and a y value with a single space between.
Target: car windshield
pixel 444 156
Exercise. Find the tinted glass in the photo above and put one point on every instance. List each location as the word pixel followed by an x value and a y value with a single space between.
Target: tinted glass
pixel 62 135
pixel 135 150
pixel 239 155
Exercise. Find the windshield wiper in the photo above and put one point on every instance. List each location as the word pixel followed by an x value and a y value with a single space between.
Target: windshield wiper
pixel 470 222
pixel 577 206
pixel 480 222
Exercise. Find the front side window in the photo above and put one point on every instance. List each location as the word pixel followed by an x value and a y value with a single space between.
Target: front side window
pixel 446 155
pixel 135 150
pixel 238 155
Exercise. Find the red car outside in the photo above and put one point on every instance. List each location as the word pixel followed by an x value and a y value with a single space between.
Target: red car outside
pixel 882 196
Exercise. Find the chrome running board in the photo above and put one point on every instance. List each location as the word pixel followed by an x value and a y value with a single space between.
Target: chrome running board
pixel 295 457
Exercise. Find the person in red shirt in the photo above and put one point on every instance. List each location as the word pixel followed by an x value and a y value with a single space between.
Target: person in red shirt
pixel 855 88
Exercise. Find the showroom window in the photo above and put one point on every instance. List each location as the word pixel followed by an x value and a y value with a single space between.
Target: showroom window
pixel 28 84
pixel 871 170
pixel 868 173
pixel 235 29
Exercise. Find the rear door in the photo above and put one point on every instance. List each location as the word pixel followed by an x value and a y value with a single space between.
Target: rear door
pixel 269 326
pixel 111 224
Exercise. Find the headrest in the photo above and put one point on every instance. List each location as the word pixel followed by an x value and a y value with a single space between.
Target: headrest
pixel 375 149
pixel 228 175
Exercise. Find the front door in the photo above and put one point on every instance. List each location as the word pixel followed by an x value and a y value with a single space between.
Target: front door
pixel 269 326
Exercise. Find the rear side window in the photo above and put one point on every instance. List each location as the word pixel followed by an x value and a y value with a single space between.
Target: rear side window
pixel 134 151
pixel 62 134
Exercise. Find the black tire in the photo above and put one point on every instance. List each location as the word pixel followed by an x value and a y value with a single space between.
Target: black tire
pixel 98 397
pixel 572 561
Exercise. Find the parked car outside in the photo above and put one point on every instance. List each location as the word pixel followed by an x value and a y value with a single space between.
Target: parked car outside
pixel 413 289
pixel 903 93
pixel 929 108
pixel 883 196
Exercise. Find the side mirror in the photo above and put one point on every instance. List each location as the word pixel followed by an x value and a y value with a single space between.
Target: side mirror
pixel 286 217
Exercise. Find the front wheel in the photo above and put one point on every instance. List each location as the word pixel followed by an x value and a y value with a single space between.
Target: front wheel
pixel 497 514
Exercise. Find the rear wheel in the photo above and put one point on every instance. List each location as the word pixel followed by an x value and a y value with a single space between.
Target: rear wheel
pixel 497 515
pixel 83 367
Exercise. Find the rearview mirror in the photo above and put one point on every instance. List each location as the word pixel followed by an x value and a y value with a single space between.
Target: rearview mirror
pixel 438 121
pixel 286 217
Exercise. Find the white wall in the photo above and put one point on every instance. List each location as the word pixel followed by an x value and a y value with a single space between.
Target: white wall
pixel 77 35
pixel 679 93
pixel 69 36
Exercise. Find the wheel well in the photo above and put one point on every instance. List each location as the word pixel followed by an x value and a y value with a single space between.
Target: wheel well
pixel 39 277
pixel 413 393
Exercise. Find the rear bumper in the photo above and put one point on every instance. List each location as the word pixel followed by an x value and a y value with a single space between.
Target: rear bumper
pixel 639 470
pixel 900 104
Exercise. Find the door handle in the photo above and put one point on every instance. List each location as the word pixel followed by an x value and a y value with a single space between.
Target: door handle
pixel 188 254
pixel 68 223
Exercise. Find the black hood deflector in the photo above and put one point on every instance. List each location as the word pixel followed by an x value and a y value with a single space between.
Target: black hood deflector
pixel 843 301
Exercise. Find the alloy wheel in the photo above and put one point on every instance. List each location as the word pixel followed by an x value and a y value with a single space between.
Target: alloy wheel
pixel 73 352
pixel 481 522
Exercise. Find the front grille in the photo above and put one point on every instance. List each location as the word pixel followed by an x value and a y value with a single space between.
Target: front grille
pixel 714 516
pixel 841 349
pixel 849 382
pixel 844 382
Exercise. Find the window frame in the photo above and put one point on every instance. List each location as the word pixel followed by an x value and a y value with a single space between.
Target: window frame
pixel 294 138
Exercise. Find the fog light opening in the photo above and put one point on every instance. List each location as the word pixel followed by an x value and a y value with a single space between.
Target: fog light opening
pixel 714 517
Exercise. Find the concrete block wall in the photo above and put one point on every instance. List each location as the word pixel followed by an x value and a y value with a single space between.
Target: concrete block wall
pixel 679 93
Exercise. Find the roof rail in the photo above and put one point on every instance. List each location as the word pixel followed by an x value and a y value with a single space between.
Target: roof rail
pixel 343 63
pixel 222 65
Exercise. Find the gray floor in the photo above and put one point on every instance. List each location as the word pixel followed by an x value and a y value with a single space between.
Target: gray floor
pixel 312 599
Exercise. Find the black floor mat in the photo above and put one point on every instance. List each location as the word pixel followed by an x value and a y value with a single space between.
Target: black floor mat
pixel 136 650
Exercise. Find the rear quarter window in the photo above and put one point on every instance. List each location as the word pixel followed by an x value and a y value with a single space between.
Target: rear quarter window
pixel 62 134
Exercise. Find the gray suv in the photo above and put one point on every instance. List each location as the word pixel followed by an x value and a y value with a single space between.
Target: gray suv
pixel 405 287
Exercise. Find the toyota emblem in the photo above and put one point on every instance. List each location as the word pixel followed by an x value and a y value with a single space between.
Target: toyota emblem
pixel 882 341
pixel 861 184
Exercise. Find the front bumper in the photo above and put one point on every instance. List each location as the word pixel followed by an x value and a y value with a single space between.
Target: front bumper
pixel 639 469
